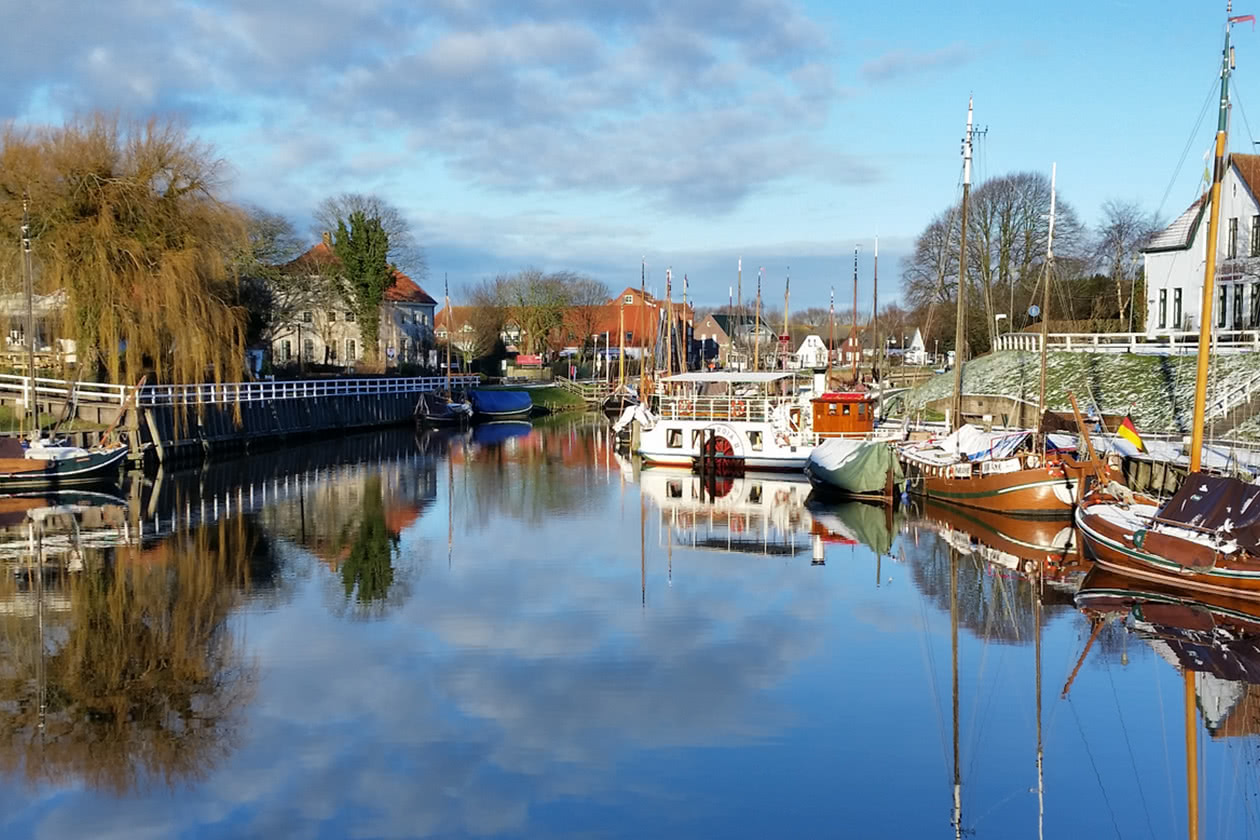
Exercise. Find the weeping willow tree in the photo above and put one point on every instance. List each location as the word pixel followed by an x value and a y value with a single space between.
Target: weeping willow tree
pixel 126 220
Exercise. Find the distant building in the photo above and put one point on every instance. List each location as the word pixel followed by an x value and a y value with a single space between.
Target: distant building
pixel 1174 259
pixel 329 334
pixel 916 352
pixel 813 353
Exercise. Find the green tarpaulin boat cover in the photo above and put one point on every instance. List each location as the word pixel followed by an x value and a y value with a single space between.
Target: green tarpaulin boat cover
pixel 852 466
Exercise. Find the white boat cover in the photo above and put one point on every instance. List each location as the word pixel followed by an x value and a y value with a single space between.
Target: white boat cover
pixel 638 412
pixel 971 443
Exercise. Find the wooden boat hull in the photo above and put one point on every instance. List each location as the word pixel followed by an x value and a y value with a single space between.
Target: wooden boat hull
pixel 1181 564
pixel 96 466
pixel 1037 491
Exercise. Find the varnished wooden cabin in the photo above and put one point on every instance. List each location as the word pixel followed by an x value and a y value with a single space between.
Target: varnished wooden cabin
pixel 844 414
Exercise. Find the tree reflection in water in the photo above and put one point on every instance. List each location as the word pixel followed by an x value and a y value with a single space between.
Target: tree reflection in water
pixel 368 570
pixel 144 680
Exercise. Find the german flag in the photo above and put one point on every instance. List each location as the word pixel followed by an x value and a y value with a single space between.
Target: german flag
pixel 1130 433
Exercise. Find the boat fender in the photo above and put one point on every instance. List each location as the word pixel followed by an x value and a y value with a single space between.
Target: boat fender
pixel 1032 462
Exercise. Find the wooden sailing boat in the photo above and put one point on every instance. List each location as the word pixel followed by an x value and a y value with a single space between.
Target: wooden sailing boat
pixel 41 464
pixel 993 471
pixel 1207 536
pixel 443 409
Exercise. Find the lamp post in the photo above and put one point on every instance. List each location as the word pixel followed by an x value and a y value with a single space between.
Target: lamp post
pixel 999 317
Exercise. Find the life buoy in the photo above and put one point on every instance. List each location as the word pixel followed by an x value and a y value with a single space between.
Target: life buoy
pixel 684 408
pixel 739 409
pixel 1033 462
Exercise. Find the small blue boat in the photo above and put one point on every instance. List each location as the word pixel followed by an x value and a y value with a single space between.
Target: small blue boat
pixel 500 405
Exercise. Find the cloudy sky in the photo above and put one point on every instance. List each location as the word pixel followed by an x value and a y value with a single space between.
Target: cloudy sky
pixel 589 135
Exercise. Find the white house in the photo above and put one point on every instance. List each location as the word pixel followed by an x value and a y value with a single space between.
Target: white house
pixel 1174 260
pixel 916 353
pixel 812 353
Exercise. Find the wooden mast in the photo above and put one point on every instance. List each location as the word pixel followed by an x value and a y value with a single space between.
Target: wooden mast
pixel 642 327
pixel 739 301
pixel 854 337
pixel 1209 264
pixel 446 290
pixel 787 287
pixel 29 282
pixel 875 336
pixel 621 348
pixel 960 333
pixel 757 325
pixel 669 322
pixel 831 337
pixel 1045 312
pixel 684 341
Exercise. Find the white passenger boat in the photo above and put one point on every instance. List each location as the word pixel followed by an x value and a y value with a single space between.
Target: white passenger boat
pixel 757 420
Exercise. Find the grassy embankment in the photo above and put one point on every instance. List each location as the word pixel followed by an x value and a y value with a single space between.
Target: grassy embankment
pixel 11 421
pixel 1157 390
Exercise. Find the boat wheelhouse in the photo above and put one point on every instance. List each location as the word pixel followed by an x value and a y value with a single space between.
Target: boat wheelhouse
pixel 759 420
pixel 844 414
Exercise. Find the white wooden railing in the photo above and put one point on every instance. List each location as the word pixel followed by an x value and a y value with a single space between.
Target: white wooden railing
pixel 1168 343
pixel 60 390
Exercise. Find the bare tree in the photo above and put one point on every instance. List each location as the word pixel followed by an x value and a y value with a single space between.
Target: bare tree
pixel 1124 231
pixel 588 302
pixel 404 251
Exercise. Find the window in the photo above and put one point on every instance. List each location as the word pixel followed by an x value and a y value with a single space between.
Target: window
pixel 831 408
pixel 349 316
pixel 629 338
pixel 629 298
pixel 331 352
pixel 861 409
pixel 332 315
pixel 674 490
pixel 1176 321
pixel 1222 306
pixel 673 438
pixel 307 317
pixel 1255 236
pixel 350 348
pixel 754 440
pixel 1231 245
pixel 1255 305
pixel 286 350
pixel 1163 308
pixel 308 350
pixel 846 409
pixel 1238 305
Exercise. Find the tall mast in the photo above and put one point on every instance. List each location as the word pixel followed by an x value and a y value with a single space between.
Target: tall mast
pixel 1045 309
pixel 757 325
pixel 739 296
pixel 669 321
pixel 787 287
pixel 857 344
pixel 960 332
pixel 684 343
pixel 29 281
pixel 831 337
pixel 879 347
pixel 621 345
pixel 730 322
pixel 446 290
pixel 642 327
pixel 1209 265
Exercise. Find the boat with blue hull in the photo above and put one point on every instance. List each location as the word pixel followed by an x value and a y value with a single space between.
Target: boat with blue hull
pixel 39 465
pixel 500 405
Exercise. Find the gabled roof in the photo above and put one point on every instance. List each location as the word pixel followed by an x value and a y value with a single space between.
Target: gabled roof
pixel 1248 167
pixel 404 289
pixel 1178 235
pixel 725 321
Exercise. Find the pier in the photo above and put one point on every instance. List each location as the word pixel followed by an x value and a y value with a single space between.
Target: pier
pixel 186 422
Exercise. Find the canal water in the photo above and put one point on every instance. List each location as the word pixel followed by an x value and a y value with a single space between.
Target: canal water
pixel 514 632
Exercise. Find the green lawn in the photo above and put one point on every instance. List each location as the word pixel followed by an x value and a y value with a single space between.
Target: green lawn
pixel 11 420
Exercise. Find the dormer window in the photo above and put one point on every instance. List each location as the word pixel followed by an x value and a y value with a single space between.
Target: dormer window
pixel 629 298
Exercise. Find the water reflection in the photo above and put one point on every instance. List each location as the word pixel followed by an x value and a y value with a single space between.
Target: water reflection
pixel 601 649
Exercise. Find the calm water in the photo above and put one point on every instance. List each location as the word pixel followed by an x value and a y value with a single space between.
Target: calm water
pixel 522 636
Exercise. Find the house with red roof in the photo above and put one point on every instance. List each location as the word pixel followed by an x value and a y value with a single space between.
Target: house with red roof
pixel 329 334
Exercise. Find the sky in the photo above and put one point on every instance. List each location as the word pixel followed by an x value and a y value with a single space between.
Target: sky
pixel 599 136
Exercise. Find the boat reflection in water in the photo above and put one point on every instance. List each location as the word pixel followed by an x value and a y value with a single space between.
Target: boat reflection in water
pixel 1031 547
pixel 1214 640
pixel 760 515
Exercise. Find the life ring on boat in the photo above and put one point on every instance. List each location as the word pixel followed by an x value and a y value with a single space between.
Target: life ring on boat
pixel 739 409
pixel 684 409
pixel 1033 462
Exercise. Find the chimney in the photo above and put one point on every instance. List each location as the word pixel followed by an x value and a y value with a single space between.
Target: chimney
pixel 328 238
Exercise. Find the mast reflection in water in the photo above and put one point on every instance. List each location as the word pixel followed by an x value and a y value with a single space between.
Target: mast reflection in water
pixel 520 634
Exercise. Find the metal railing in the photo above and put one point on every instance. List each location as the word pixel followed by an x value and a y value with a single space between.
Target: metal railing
pixel 591 391
pixel 714 408
pixel 294 389
pixel 59 390
pixel 1174 343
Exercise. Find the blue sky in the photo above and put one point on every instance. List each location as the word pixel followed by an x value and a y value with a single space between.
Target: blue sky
pixel 586 135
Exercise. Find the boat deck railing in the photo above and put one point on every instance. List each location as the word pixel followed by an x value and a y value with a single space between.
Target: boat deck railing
pixel 753 409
